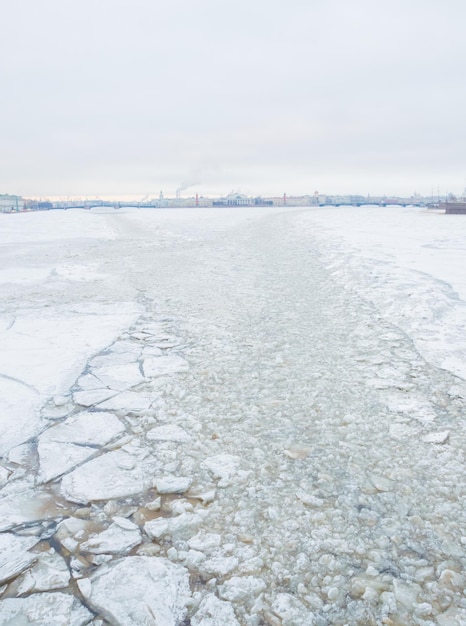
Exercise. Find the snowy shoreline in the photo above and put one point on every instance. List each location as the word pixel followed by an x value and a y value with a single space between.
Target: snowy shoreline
pixel 251 417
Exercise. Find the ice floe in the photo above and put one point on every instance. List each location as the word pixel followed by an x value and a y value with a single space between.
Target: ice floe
pixel 168 432
pixel 222 466
pixel 112 475
pixel 68 444
pixel 214 612
pixel 139 590
pixel 21 503
pixel 113 540
pixel 44 609
pixel 15 555
pixel 49 572
pixel 181 527
pixel 172 484
pixel 164 365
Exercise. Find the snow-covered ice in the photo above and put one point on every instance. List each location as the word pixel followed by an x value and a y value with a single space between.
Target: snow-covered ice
pixel 69 443
pixel 168 432
pixel 49 572
pixel 164 365
pixel 139 590
pixel 115 474
pixel 114 539
pixel 44 609
pixel 15 555
pixel 248 416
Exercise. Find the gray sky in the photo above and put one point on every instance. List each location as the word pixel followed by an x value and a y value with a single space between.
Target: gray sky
pixel 128 97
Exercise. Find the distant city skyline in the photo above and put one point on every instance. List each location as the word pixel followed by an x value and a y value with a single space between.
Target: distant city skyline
pixel 194 192
pixel 124 98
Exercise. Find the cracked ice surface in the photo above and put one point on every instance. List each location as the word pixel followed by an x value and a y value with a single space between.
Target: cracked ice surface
pixel 44 609
pixel 257 418
pixel 67 444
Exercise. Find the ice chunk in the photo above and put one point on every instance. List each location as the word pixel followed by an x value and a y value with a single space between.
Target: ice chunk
pixel 454 616
pixel 85 428
pixel 406 593
pixel 49 572
pixel 113 540
pixel 439 437
pixel 58 458
pixel 140 590
pixel 19 407
pixel 44 609
pixel 173 484
pixel 168 432
pixel 309 499
pixel 15 555
pixel 214 612
pixel 64 446
pixel 222 466
pixel 129 401
pixel 22 504
pixel 91 397
pixel 205 542
pixel 112 475
pixel 122 522
pixel 114 358
pixel 4 474
pixel 164 365
pixel 240 588
pixel 218 565
pixel 292 611
pixel 157 528
pixel 22 454
pixel 180 527
pixel 88 381
pixel 381 483
pixel 119 377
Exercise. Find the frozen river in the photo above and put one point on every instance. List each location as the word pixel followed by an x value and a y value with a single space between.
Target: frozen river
pixel 247 417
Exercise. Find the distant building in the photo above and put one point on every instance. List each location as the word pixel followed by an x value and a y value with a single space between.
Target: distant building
pixel 8 203
pixel 234 199
pixel 262 202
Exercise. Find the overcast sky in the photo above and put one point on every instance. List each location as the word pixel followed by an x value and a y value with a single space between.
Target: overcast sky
pixel 130 97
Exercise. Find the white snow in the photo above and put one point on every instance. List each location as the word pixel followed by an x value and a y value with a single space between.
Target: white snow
pixel 42 353
pixel 410 261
